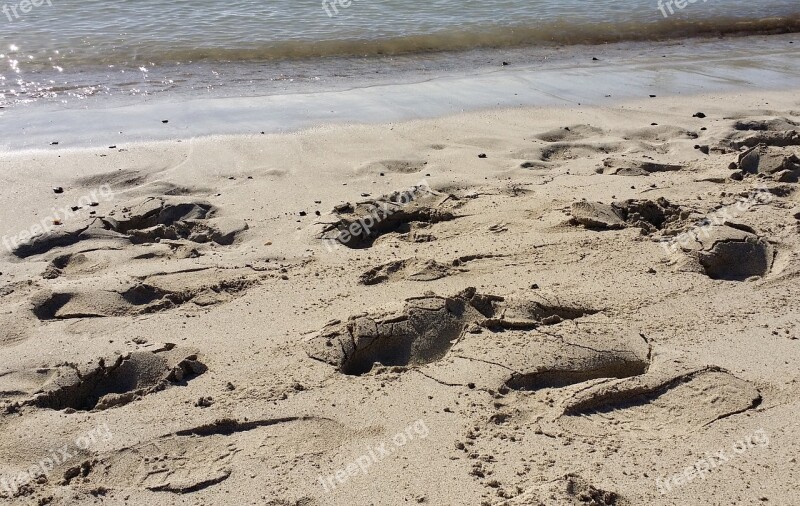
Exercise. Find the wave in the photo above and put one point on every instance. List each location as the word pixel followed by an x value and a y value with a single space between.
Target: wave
pixel 552 33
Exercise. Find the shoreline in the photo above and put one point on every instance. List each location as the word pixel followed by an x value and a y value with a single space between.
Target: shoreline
pixel 407 91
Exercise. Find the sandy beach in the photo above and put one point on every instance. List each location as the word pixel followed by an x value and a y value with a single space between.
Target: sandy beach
pixel 557 305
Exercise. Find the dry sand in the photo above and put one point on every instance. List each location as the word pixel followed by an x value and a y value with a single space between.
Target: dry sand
pixel 538 315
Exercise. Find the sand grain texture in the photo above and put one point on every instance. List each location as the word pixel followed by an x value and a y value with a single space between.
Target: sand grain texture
pixel 593 305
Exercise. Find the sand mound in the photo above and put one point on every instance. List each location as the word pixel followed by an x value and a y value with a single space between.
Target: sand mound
pixel 518 356
pixel 767 138
pixel 596 216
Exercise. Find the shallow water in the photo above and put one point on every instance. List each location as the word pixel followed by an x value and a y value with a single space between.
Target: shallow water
pixel 77 48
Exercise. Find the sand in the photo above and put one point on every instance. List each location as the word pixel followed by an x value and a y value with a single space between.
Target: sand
pixel 580 305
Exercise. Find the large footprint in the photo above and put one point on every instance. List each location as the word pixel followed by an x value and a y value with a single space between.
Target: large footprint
pixel 659 404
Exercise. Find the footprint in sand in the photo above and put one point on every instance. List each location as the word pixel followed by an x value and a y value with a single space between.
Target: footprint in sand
pixel 146 220
pixel 413 269
pixel 409 269
pixel 650 216
pixel 396 166
pixel 100 385
pixel 661 133
pixel 630 167
pixel 659 404
pixel 125 178
pixel 726 252
pixel 159 292
pixel 778 132
pixel 560 152
pixel 200 457
pixel 427 329
pixel 407 212
pixel 570 133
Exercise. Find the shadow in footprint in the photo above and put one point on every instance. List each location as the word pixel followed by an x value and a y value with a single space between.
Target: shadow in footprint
pixel 607 366
pixel 108 384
